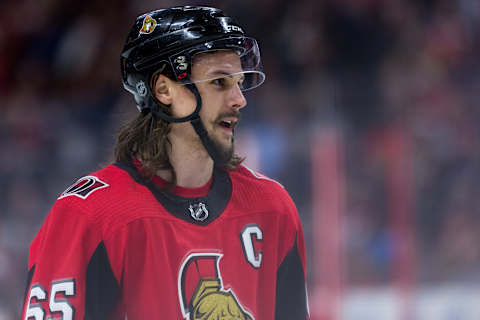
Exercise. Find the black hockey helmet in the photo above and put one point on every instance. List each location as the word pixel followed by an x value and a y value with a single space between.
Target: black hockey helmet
pixel 171 37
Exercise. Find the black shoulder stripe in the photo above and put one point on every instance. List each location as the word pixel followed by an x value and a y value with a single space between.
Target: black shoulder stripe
pixel 29 281
pixel 102 289
pixel 291 292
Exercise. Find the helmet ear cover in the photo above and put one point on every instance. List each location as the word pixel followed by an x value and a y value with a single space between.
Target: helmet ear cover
pixel 146 100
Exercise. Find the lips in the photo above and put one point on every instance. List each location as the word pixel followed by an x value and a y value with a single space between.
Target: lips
pixel 228 122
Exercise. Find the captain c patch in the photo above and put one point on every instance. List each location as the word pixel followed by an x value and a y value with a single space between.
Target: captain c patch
pixel 84 187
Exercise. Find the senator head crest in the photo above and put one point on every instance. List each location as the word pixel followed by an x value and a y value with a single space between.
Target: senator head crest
pixel 201 292
pixel 149 25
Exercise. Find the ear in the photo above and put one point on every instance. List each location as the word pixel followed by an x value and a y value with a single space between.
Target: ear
pixel 162 89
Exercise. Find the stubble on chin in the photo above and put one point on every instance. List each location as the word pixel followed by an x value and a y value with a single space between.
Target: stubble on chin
pixel 224 151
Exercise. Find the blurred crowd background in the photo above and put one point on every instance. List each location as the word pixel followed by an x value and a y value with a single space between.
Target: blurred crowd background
pixel 396 81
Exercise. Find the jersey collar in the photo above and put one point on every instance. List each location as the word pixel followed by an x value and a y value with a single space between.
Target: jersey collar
pixel 198 210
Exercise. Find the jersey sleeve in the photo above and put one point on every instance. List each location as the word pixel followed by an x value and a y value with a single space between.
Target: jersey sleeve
pixel 291 293
pixel 70 275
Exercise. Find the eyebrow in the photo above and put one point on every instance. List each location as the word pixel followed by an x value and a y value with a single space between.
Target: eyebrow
pixel 220 72
pixel 225 73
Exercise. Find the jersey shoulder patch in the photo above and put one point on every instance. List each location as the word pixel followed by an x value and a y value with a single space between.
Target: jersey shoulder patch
pixel 84 187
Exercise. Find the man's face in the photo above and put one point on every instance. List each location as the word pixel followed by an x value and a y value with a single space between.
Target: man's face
pixel 217 77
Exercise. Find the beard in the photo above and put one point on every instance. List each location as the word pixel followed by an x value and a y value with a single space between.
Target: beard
pixel 222 153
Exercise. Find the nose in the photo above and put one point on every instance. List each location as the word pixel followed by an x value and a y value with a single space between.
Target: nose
pixel 237 99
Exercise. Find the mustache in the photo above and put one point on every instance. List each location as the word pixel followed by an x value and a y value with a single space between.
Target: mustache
pixel 232 113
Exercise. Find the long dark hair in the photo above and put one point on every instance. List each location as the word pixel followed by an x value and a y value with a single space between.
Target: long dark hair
pixel 146 139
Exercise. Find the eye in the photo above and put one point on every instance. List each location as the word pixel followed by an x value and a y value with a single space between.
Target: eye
pixel 220 82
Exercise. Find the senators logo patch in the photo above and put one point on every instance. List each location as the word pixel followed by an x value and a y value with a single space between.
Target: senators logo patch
pixel 201 292
pixel 84 187
pixel 149 25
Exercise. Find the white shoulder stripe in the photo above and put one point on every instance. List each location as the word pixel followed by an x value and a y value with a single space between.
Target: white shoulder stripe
pixel 262 177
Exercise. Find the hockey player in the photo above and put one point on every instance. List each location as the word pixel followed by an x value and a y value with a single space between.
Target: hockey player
pixel 176 228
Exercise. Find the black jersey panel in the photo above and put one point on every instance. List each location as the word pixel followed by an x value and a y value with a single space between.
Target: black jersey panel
pixel 291 292
pixel 102 289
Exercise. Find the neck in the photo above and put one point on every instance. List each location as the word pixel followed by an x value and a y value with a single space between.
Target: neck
pixel 192 165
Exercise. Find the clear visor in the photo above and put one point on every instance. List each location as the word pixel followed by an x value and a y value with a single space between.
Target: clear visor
pixel 223 62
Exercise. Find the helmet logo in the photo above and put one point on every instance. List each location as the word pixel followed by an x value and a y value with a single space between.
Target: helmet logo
pixel 149 25
pixel 232 28
pixel 141 88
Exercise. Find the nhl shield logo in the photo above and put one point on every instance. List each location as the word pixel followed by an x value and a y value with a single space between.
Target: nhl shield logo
pixel 149 25
pixel 198 211
pixel 141 88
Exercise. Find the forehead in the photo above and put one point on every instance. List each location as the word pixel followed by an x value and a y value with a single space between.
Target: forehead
pixel 219 61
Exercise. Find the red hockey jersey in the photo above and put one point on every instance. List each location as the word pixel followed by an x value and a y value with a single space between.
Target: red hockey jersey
pixel 115 246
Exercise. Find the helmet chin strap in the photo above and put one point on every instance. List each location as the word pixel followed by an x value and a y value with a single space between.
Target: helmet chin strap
pixel 201 131
pixel 197 124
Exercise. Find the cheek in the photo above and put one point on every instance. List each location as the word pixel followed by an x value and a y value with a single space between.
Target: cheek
pixel 184 105
pixel 209 111
pixel 182 110
pixel 212 103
